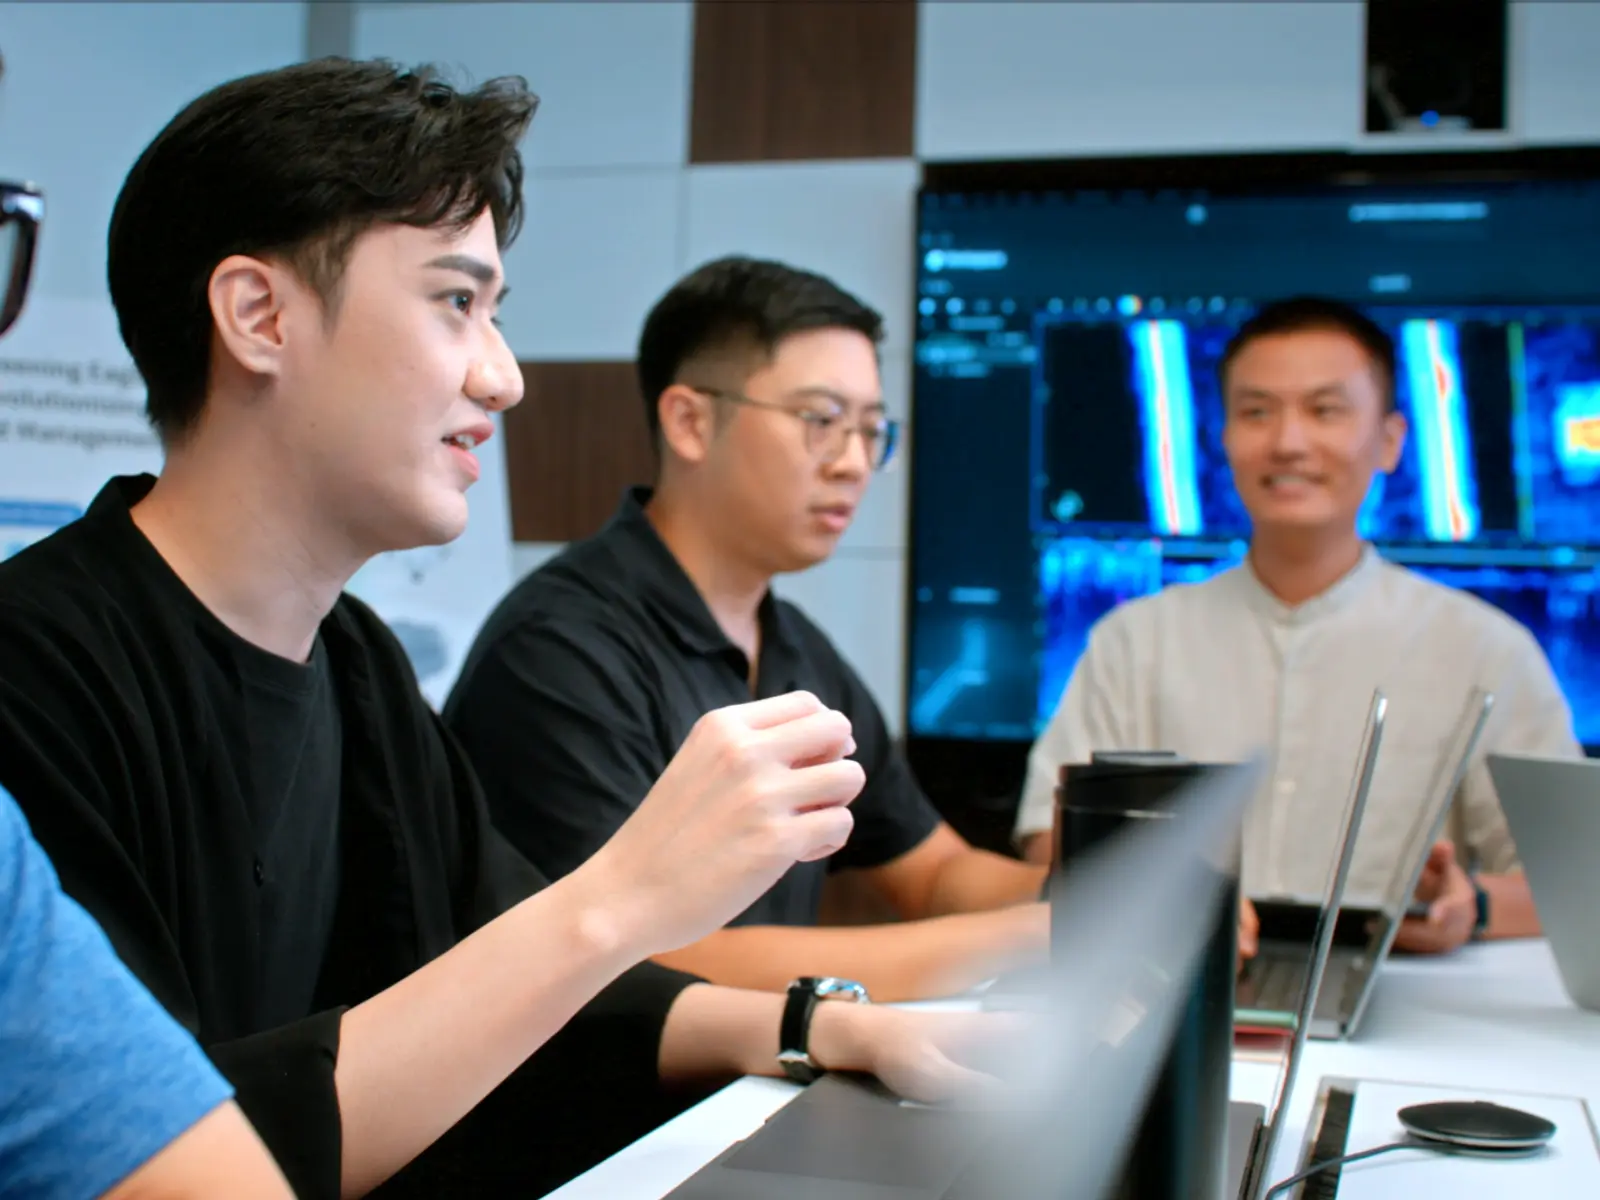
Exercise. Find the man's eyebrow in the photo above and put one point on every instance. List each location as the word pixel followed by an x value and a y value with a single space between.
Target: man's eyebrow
pixel 474 268
pixel 843 401
pixel 1253 393
pixel 1319 392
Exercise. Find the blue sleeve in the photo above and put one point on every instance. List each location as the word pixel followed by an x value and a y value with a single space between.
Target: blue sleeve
pixel 95 1077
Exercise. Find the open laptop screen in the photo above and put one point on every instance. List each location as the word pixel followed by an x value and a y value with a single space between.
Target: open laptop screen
pixel 1322 943
pixel 1455 755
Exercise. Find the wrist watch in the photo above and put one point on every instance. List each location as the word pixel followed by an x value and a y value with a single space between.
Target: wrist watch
pixel 794 1033
pixel 1482 923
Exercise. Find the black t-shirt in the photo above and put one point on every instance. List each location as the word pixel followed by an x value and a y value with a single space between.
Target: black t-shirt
pixel 590 674
pixel 261 865
pixel 290 764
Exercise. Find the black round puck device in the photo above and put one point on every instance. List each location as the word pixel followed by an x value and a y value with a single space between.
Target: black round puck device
pixel 1476 1125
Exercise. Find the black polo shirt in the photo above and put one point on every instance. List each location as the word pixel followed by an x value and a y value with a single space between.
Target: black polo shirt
pixel 590 674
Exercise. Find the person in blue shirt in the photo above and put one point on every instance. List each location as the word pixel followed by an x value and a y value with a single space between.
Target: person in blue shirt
pixel 101 1092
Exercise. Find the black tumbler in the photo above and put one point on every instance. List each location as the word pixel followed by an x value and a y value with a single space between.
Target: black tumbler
pixel 1180 1149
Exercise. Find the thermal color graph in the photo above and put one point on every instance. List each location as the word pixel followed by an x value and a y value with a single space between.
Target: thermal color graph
pixel 1166 398
pixel 1432 357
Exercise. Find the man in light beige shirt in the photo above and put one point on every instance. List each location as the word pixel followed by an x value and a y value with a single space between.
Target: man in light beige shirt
pixel 1284 651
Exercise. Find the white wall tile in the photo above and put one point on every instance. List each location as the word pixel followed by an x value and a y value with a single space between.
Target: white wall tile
pixel 1555 89
pixel 87 86
pixel 596 251
pixel 613 78
pixel 853 221
pixel 858 600
pixel 880 523
pixel 1001 80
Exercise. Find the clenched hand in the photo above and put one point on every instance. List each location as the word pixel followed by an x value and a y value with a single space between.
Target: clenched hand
pixel 754 789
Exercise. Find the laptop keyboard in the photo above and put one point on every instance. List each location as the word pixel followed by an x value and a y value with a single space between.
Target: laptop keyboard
pixel 1271 983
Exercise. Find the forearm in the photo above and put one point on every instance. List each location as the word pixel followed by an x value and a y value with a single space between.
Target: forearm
pixel 977 881
pixel 218 1155
pixel 417 1057
pixel 720 1032
pixel 1036 849
pixel 915 960
pixel 1511 909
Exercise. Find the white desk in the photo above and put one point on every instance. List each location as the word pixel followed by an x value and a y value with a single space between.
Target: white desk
pixel 1490 1016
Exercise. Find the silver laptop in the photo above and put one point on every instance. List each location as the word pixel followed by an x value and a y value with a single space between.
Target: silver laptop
pixel 1253 1132
pixel 1552 806
pixel 1133 917
pixel 1366 936
pixel 1268 995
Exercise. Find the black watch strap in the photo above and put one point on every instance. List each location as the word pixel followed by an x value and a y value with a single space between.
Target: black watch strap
pixel 794 1031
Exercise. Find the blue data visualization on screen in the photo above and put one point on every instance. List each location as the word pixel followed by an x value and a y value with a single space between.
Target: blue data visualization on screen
pixel 1069 418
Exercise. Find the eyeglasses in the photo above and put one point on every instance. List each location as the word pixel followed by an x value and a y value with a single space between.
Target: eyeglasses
pixel 21 212
pixel 828 433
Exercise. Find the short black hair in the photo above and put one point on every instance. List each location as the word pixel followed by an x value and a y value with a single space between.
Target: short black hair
pixel 738 305
pixel 297 163
pixel 1303 314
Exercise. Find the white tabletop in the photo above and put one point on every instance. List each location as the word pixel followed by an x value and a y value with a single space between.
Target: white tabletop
pixel 1488 1016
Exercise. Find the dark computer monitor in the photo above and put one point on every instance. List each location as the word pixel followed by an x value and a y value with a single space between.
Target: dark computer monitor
pixel 1066 452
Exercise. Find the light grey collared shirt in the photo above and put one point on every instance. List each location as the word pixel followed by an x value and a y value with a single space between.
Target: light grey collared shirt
pixel 1222 669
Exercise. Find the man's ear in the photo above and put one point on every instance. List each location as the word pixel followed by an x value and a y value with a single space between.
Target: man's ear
pixel 687 422
pixel 247 297
pixel 1394 441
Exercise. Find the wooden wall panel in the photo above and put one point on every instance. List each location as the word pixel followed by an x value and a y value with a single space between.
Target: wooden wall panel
pixel 803 79
pixel 576 440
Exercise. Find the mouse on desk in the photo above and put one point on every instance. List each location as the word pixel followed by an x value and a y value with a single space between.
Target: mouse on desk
pixel 1451 1127
pixel 1476 1125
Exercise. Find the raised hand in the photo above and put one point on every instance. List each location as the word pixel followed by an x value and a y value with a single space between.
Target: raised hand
pixel 754 789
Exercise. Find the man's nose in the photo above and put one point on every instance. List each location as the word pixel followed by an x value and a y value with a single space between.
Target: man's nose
pixel 495 380
pixel 1288 434
pixel 854 461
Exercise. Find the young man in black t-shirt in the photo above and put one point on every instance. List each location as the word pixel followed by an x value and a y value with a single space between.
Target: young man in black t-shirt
pixel 764 401
pixel 229 760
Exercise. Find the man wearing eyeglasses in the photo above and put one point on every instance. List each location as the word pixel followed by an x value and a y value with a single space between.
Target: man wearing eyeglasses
pixel 762 394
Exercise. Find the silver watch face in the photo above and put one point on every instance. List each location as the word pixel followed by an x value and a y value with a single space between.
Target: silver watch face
pixel 848 988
